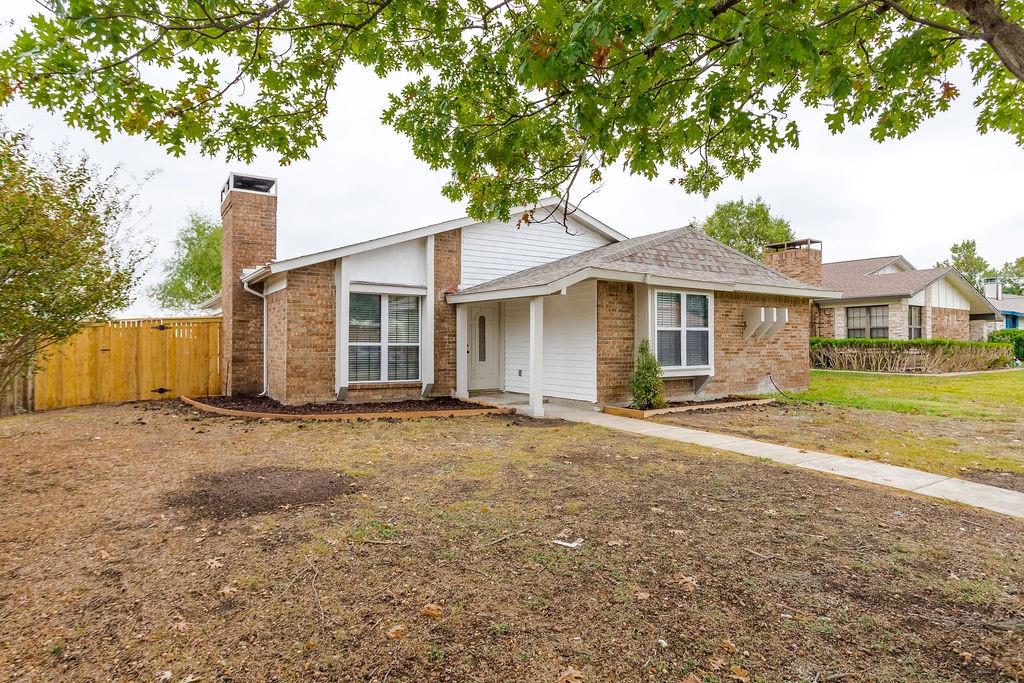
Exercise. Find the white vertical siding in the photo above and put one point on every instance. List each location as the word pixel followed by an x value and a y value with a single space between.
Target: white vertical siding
pixel 947 295
pixel 404 263
pixel 492 250
pixel 570 344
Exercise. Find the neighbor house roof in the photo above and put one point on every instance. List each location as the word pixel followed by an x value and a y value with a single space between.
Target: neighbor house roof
pixel 906 283
pixel 682 257
pixel 283 265
pixel 1009 304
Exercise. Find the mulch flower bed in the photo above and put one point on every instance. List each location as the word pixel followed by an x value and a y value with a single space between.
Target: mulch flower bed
pixel 263 406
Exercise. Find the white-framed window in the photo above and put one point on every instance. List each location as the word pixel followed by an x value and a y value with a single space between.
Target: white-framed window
pixel 915 322
pixel 682 329
pixel 378 352
pixel 867 322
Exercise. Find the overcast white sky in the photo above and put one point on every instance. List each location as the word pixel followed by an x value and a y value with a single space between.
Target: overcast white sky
pixel 913 197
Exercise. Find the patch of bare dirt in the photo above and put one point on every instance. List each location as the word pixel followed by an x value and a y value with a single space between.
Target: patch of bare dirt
pixel 238 493
pixel 517 420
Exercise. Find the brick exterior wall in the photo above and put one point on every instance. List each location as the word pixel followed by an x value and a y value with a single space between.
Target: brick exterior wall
pixel 301 326
pixel 742 365
pixel 951 323
pixel 899 320
pixel 447 274
pixel 383 391
pixel 248 239
pixel 823 321
pixel 615 340
pixel 800 264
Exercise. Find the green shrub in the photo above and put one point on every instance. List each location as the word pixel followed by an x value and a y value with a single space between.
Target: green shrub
pixel 646 385
pixel 1014 337
pixel 914 355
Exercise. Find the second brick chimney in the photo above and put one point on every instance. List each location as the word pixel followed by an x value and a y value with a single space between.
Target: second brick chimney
pixel 248 213
pixel 799 260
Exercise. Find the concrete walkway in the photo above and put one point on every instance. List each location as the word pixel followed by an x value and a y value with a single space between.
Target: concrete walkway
pixel 924 483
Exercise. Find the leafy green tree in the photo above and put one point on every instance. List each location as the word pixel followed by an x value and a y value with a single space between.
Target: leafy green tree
pixel 964 257
pixel 1012 275
pixel 646 384
pixel 520 98
pixel 192 275
pixel 66 250
pixel 747 226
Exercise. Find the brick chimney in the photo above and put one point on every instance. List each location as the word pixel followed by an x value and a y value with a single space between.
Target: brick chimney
pixel 248 213
pixel 799 259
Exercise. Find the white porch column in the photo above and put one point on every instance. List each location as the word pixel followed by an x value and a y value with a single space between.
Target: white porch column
pixel 461 351
pixel 341 289
pixel 537 356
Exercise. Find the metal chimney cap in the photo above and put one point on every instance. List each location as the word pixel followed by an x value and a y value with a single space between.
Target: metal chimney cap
pixel 246 182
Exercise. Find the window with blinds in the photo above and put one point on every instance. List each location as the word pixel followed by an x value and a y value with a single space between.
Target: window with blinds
pixel 682 329
pixel 867 321
pixel 377 351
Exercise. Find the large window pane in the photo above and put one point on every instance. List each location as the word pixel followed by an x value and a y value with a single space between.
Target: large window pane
pixel 364 319
pixel 403 320
pixel 364 363
pixel 669 313
pixel 670 352
pixel 879 316
pixel 697 347
pixel 403 363
pixel 696 310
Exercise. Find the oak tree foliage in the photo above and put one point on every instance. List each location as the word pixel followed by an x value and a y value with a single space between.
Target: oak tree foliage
pixel 747 226
pixel 521 98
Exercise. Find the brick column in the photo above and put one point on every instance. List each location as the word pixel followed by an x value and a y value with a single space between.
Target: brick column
pixel 248 240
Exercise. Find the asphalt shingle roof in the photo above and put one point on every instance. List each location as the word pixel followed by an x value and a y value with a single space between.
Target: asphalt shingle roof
pixel 685 253
pixel 1014 304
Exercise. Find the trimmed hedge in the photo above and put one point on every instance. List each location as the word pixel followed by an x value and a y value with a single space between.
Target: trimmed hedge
pixel 914 355
pixel 1014 337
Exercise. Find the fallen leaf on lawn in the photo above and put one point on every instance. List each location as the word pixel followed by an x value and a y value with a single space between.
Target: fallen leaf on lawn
pixel 570 675
pixel 716 663
pixel 228 590
pixel 738 673
pixel 687 583
pixel 396 631
pixel 179 626
pixel 692 678
pixel 729 646
pixel 615 543
pixel 657 511
pixel 214 563
pixel 431 610
pixel 190 679
pixel 164 676
pixel 643 596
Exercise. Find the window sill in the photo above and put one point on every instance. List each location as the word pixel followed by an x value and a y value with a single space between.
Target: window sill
pixel 687 372
pixel 390 384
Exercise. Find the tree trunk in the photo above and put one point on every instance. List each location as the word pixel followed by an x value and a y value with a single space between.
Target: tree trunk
pixel 1005 37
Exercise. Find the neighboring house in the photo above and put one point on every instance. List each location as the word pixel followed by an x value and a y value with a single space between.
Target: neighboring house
pixel 887 298
pixel 1010 306
pixel 548 310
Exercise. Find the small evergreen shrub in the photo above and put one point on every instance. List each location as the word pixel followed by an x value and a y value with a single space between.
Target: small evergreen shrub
pixel 913 355
pixel 646 385
pixel 1015 337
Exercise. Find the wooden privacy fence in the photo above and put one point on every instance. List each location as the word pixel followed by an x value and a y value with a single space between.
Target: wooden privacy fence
pixel 130 360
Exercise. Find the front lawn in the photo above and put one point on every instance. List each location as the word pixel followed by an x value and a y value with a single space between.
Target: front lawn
pixel 966 426
pixel 987 396
pixel 152 543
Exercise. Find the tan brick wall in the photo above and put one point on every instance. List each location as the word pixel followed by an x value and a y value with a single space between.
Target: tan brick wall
pixel 383 391
pixel 447 274
pixel 277 343
pixel 615 340
pixel 742 365
pixel 248 239
pixel 823 321
pixel 300 346
pixel 800 264
pixel 951 323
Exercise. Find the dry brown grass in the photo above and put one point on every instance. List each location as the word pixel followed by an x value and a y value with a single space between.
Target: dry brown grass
pixel 109 573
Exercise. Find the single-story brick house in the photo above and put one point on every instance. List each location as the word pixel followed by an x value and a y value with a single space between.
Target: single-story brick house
pixel 551 309
pixel 1011 306
pixel 888 298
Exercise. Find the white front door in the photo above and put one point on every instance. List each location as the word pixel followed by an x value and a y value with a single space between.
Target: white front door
pixel 484 363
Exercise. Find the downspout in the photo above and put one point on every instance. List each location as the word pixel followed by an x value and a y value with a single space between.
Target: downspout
pixel 266 334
